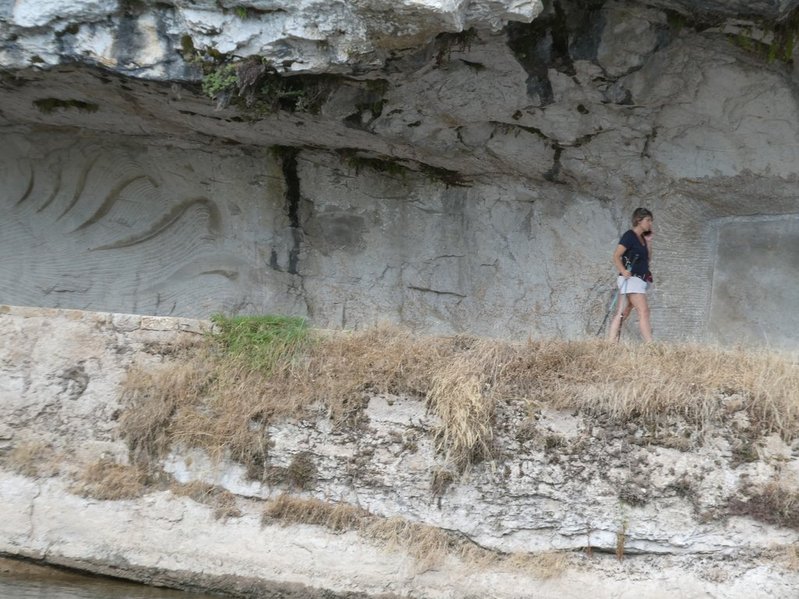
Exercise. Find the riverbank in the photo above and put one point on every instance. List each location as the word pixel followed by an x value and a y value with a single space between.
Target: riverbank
pixel 403 493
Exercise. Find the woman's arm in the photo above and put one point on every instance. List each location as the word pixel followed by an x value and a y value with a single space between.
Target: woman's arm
pixel 620 249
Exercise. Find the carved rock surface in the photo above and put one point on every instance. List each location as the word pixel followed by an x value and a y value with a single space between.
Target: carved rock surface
pixel 450 179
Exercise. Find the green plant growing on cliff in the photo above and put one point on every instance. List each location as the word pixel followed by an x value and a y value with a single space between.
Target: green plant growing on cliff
pixel 786 33
pixel 222 79
pixel 257 89
pixel 261 343
pixel 783 36
pixel 216 396
pixel 187 47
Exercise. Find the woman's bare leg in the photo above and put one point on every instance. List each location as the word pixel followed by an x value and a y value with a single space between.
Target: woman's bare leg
pixel 622 312
pixel 638 301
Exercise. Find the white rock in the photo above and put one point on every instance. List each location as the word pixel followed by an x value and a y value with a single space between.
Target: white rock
pixel 38 13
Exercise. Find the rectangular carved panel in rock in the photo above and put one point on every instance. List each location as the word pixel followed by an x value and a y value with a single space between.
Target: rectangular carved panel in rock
pixel 756 282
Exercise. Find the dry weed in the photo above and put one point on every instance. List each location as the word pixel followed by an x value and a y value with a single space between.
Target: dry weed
pixel 223 404
pixel 108 480
pixel 426 544
pixel 221 500
pixel 790 558
pixel 649 382
pixel 429 546
pixel 441 481
pixel 773 504
pixel 542 566
pixel 338 517
pixel 151 399
pixel 34 459
pixel 477 556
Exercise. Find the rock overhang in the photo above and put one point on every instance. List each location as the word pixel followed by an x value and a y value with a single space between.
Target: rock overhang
pixel 143 39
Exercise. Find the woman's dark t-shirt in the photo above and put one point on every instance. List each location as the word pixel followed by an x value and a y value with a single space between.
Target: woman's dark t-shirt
pixel 640 265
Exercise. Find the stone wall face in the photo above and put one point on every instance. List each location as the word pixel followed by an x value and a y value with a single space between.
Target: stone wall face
pixel 475 181
pixel 98 223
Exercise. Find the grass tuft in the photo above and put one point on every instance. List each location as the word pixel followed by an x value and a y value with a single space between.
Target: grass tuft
pixel 260 343
pixel 544 566
pixel 221 500
pixel 338 517
pixel 772 504
pixel 107 480
pixel 34 459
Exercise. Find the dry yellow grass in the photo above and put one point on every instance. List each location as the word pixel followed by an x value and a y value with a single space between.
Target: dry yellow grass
pixel 222 405
pixel 108 480
pixel 427 545
pixel 34 459
pixel 338 517
pixel 221 500
pixel 546 565
pixel 787 556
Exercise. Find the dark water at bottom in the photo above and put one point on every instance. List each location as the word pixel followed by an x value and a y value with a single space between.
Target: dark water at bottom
pixel 43 583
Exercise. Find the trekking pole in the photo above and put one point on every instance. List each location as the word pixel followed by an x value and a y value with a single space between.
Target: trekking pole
pixel 616 296
pixel 612 305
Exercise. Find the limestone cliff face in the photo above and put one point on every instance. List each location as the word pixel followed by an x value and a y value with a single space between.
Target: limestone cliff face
pixel 452 166
pixel 672 512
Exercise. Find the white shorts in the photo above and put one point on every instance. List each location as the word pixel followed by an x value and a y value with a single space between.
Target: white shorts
pixel 631 285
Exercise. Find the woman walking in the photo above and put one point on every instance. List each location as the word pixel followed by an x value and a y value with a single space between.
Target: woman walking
pixel 631 259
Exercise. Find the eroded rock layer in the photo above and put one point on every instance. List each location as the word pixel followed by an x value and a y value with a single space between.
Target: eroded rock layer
pixel 571 501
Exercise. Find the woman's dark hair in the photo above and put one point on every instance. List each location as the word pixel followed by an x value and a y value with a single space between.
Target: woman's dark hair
pixel 640 214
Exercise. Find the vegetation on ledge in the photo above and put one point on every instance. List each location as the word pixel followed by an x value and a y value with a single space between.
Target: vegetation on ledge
pixel 222 395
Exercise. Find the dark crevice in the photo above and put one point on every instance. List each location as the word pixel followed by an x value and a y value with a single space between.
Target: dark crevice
pixel 534 130
pixel 649 139
pixel 532 45
pixel 398 167
pixel 583 139
pixel 435 291
pixel 561 58
pixel 273 262
pixel 552 174
pixel 583 23
pixel 566 31
pixel 292 180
